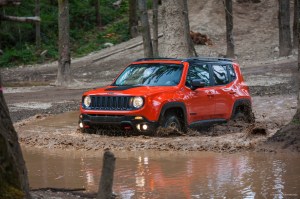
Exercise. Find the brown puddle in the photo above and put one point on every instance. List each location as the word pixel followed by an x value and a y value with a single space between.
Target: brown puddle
pixel 56 123
pixel 153 174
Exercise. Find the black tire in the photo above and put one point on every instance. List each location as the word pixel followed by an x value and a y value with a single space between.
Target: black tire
pixel 244 114
pixel 172 122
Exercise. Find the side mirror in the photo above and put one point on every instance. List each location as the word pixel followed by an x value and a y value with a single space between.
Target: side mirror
pixel 197 83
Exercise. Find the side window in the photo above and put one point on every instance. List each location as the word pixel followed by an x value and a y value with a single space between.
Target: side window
pixel 231 72
pixel 220 74
pixel 198 71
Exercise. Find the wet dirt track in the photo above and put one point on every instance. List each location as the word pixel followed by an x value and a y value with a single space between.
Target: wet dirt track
pixel 60 131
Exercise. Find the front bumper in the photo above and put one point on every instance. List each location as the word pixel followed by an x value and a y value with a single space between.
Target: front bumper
pixel 130 123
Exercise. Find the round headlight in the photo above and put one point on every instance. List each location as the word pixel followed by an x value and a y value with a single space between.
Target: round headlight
pixel 87 101
pixel 137 102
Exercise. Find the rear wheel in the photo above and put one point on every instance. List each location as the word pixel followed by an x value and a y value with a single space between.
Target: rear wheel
pixel 244 113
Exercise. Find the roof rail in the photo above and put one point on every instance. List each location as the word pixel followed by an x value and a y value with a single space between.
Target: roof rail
pixel 158 58
pixel 210 59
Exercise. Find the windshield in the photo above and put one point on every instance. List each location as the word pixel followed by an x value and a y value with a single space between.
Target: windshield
pixel 157 74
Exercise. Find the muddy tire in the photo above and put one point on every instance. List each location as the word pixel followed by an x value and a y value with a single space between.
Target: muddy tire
pixel 171 123
pixel 245 115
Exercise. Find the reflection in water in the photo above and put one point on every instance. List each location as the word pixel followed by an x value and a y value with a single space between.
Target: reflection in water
pixel 171 175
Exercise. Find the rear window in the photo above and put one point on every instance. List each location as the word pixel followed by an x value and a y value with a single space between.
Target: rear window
pixel 220 74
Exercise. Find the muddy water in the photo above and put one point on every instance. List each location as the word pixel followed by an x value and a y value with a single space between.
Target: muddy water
pixel 171 174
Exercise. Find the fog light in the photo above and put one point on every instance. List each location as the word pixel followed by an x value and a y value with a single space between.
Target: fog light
pixel 145 127
pixel 81 125
pixel 138 127
pixel 138 118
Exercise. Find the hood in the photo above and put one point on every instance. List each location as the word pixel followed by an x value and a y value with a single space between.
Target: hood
pixel 130 90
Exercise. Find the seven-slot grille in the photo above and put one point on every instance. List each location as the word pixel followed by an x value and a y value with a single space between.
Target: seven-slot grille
pixel 111 102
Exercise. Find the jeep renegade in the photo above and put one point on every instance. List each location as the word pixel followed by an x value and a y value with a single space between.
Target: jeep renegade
pixel 167 92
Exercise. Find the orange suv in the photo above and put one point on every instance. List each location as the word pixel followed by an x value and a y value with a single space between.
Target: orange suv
pixel 167 92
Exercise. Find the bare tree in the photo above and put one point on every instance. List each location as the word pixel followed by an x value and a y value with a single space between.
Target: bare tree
pixel 229 28
pixel 148 50
pixel 297 115
pixel 176 40
pixel 285 44
pixel 133 18
pixel 37 25
pixel 64 77
pixel 295 25
pixel 13 173
pixel 155 27
pixel 97 13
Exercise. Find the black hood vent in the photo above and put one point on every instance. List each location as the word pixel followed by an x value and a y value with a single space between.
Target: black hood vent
pixel 120 88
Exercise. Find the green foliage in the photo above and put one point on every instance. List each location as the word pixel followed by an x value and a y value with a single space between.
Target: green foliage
pixel 18 56
pixel 17 40
pixel 10 192
pixel 295 121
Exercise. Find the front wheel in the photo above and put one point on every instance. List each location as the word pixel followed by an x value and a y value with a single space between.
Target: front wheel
pixel 170 125
pixel 171 121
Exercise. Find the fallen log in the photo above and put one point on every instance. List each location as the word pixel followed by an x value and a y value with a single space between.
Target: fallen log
pixel 121 50
pixel 10 2
pixel 20 19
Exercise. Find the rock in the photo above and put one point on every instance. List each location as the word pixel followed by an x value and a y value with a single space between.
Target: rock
pixel 276 49
pixel 108 45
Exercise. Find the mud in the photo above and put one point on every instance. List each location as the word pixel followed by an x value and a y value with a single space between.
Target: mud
pixel 60 131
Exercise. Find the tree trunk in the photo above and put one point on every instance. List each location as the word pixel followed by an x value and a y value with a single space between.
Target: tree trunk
pixel 13 173
pixel 295 25
pixel 176 40
pixel 37 25
pixel 297 115
pixel 107 176
pixel 155 28
pixel 285 44
pixel 52 2
pixel 187 23
pixel 64 77
pixel 133 18
pixel 229 28
pixel 97 13
pixel 148 51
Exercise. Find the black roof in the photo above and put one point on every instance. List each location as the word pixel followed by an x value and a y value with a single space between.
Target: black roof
pixel 191 59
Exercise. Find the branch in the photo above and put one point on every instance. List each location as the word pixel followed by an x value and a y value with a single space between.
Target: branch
pixel 20 19
pixel 10 2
